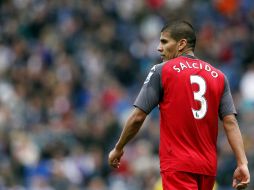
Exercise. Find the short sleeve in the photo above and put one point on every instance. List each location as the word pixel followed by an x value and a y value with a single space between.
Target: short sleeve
pixel 227 106
pixel 151 91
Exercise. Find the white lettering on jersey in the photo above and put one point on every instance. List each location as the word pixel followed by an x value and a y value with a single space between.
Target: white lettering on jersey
pixel 176 68
pixel 207 68
pixel 214 74
pixel 188 64
pixel 194 65
pixel 182 66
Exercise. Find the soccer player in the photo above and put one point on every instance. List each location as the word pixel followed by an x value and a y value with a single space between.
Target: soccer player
pixel 191 95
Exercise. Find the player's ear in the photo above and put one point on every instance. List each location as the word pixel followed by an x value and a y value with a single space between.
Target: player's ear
pixel 182 44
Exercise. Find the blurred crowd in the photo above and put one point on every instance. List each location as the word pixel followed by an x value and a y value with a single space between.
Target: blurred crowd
pixel 71 69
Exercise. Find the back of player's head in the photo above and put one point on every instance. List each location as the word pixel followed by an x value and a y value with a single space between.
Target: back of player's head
pixel 181 30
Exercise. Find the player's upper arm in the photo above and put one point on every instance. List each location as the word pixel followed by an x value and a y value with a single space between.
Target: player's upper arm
pixel 227 106
pixel 151 91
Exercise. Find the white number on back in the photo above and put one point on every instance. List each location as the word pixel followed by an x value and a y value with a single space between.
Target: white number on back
pixel 199 96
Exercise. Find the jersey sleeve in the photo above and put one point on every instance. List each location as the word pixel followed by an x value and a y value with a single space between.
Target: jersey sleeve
pixel 151 91
pixel 226 105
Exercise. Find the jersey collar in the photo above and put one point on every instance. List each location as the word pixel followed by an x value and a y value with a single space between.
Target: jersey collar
pixel 189 56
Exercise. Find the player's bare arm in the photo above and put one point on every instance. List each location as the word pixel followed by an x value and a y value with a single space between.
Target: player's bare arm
pixel 241 177
pixel 131 128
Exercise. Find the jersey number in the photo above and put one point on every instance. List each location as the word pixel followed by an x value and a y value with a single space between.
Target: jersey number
pixel 199 96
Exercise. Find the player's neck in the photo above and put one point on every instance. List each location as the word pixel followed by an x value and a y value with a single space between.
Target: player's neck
pixel 188 52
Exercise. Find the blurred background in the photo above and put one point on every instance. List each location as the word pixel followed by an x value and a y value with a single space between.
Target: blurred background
pixel 70 71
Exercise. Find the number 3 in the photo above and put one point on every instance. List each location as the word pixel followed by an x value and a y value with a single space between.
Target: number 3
pixel 199 96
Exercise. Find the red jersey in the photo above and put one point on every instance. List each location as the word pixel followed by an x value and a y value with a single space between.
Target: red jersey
pixel 191 95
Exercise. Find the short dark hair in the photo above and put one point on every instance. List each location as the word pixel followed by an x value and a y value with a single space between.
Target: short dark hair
pixel 181 30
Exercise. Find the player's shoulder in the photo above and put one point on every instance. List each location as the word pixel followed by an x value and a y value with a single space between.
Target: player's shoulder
pixel 168 64
pixel 174 60
pixel 158 67
pixel 221 73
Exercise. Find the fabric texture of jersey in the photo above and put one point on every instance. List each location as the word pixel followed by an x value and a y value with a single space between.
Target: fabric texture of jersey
pixel 191 95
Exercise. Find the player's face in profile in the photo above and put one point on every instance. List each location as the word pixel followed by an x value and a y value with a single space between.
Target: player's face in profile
pixel 167 46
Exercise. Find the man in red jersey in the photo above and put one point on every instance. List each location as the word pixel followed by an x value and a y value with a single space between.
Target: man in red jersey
pixel 191 95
